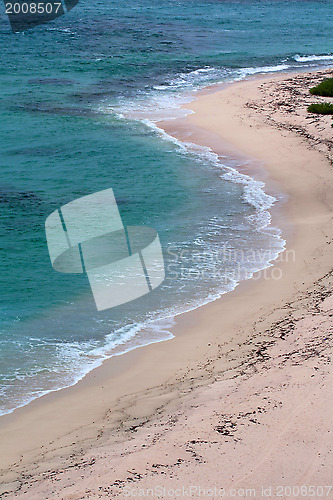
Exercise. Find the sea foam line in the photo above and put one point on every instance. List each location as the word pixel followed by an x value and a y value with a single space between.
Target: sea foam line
pixel 310 58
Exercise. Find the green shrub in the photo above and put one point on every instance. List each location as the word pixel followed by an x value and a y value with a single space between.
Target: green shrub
pixel 323 108
pixel 324 89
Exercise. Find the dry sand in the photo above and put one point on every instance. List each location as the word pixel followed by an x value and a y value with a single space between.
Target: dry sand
pixel 242 397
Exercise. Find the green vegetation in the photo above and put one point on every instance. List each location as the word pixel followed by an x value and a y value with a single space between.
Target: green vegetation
pixel 324 89
pixel 323 108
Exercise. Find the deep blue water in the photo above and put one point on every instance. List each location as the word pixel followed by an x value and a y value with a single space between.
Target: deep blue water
pixel 74 96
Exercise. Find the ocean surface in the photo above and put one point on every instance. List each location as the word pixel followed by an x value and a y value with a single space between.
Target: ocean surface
pixel 80 98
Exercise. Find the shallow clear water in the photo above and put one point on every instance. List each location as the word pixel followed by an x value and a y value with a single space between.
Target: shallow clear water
pixel 73 93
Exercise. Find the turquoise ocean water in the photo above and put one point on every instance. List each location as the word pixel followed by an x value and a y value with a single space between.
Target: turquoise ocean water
pixel 79 100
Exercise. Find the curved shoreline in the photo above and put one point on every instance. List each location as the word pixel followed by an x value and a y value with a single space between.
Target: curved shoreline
pixel 173 368
pixel 253 193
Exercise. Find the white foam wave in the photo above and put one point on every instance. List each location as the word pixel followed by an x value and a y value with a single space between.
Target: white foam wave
pixel 154 106
pixel 244 72
pixel 194 79
pixel 84 358
pixel 253 190
pixel 326 57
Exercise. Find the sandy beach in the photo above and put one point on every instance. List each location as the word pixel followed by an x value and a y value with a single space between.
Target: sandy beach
pixel 240 402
